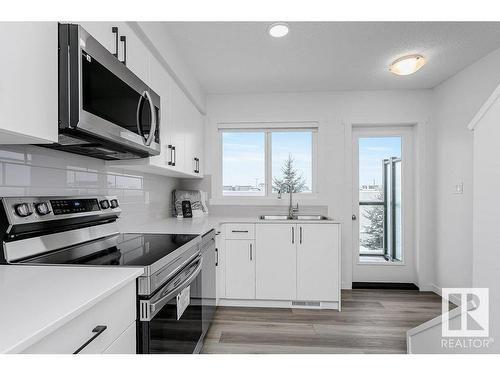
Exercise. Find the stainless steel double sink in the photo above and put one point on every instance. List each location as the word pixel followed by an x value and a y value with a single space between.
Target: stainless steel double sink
pixel 298 217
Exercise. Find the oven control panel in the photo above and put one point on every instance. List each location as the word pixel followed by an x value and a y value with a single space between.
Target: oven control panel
pixel 23 210
pixel 71 206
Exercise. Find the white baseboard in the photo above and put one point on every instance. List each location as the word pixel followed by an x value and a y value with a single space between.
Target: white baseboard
pixel 346 285
pixel 438 290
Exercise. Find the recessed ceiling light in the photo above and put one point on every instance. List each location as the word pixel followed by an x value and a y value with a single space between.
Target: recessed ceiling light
pixel 407 65
pixel 278 29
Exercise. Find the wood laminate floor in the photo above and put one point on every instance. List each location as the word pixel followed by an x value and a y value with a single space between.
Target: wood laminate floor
pixel 371 321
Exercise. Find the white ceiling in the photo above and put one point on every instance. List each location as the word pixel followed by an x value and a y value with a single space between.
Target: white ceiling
pixel 240 57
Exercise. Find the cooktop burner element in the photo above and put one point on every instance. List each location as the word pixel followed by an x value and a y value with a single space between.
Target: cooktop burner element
pixel 124 249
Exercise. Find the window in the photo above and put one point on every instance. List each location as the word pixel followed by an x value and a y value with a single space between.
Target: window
pixel 262 162
pixel 380 225
pixel 243 163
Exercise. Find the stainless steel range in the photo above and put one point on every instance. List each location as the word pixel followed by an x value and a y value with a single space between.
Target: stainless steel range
pixel 176 294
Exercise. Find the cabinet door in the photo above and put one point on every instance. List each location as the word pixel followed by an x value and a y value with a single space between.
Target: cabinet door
pixel 240 269
pixel 137 54
pixel 276 261
pixel 220 257
pixel 178 110
pixel 193 139
pixel 318 262
pixel 160 82
pixel 28 84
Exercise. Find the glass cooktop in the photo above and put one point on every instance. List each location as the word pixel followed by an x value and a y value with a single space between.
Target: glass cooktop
pixel 124 249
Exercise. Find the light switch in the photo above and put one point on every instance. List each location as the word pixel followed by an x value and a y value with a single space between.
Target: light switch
pixel 459 188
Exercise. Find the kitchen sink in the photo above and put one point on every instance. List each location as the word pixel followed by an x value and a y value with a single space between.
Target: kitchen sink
pixel 298 217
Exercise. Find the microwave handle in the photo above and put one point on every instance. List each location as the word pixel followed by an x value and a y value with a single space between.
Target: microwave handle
pixel 153 117
pixel 156 306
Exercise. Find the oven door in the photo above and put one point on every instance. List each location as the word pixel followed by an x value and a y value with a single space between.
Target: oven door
pixel 101 97
pixel 171 319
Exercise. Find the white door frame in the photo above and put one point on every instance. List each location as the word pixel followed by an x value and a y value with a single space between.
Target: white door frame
pixel 422 261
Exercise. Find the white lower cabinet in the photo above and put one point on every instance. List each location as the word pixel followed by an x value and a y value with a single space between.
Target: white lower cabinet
pixel 275 264
pixel 318 276
pixel 125 344
pixel 276 261
pixel 240 269
pixel 117 313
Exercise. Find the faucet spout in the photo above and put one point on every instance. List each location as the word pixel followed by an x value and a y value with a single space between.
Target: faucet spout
pixel 292 211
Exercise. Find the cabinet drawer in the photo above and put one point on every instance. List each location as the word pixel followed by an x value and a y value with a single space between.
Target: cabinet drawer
pixel 117 312
pixel 240 231
pixel 125 344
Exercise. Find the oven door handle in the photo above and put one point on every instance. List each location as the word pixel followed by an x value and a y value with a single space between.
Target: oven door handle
pixel 156 306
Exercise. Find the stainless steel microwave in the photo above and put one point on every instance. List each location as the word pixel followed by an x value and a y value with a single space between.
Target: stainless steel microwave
pixel 105 110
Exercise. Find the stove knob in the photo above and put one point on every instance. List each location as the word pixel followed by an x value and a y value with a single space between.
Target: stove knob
pixel 114 203
pixel 104 204
pixel 42 208
pixel 23 209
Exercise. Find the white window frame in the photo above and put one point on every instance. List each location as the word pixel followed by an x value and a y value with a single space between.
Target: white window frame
pixel 268 128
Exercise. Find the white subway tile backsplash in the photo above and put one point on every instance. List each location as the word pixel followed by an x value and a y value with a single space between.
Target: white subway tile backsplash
pixel 32 170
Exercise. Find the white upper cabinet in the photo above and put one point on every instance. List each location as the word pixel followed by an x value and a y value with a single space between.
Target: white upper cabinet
pixel 132 49
pixel 276 261
pixel 318 260
pixel 28 82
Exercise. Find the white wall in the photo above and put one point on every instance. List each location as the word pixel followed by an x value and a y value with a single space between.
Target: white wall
pixel 486 236
pixel 333 110
pixel 454 103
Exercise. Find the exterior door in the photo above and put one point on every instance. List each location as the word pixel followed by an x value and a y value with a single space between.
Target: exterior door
pixel 383 207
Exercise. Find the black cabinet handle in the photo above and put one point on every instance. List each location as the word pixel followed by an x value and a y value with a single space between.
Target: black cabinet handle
pixel 174 156
pixel 171 155
pixel 216 257
pixel 239 231
pixel 114 30
pixel 97 331
pixel 196 165
pixel 123 38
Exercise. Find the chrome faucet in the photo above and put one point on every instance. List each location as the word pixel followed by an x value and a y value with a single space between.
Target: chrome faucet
pixel 292 211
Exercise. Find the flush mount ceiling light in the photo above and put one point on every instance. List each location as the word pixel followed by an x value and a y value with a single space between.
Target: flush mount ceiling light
pixel 278 29
pixel 407 65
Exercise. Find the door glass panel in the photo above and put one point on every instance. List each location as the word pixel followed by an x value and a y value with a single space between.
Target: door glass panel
pixel 377 206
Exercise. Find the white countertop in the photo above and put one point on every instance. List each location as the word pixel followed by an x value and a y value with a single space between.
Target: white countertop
pixel 201 225
pixel 36 300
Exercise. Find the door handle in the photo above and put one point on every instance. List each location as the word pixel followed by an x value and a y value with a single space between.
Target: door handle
pixel 96 331
pixel 216 257
pixel 300 235
pixel 293 235
pixel 239 231
pixel 251 255
pixel 354 217
pixel 174 156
